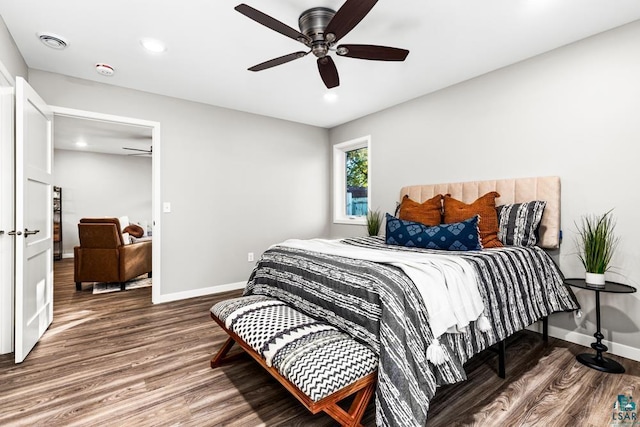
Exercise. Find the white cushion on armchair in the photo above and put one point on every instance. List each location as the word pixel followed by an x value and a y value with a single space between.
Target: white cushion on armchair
pixel 124 222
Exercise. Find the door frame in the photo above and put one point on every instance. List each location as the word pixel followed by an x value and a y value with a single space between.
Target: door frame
pixel 7 208
pixel 156 210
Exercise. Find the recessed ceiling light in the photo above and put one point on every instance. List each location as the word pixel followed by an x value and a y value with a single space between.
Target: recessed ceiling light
pixel 331 97
pixel 153 45
pixel 104 69
pixel 53 41
pixel 81 144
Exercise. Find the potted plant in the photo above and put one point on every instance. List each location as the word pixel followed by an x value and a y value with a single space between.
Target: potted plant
pixel 596 243
pixel 374 220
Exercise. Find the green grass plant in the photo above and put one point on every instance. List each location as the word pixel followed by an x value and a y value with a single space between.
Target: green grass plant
pixel 374 221
pixel 597 242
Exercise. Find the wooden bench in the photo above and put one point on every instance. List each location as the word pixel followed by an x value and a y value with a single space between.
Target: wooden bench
pixel 314 361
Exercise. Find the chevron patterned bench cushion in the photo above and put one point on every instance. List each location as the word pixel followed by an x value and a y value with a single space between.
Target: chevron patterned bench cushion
pixel 316 357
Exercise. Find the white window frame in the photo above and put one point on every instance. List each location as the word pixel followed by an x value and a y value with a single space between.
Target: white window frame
pixel 340 180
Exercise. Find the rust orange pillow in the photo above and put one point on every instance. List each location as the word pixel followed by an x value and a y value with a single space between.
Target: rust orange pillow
pixel 427 213
pixel 485 206
pixel 134 230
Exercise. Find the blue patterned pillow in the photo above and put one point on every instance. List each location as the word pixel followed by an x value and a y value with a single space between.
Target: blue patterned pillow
pixel 457 236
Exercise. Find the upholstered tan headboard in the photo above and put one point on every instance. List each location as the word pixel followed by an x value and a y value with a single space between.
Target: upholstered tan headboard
pixel 516 190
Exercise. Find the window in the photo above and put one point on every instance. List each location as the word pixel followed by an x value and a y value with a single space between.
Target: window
pixel 351 182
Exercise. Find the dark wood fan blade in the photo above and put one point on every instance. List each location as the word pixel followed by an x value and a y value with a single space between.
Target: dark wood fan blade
pixel 137 149
pixel 278 61
pixel 368 51
pixel 328 72
pixel 346 18
pixel 272 23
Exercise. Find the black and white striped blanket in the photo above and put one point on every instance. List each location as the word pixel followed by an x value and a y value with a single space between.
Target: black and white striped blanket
pixel 380 306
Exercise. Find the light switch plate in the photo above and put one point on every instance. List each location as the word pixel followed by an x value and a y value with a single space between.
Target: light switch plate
pixel 166 207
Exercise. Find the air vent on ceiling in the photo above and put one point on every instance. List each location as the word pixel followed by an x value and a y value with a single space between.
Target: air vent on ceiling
pixel 53 41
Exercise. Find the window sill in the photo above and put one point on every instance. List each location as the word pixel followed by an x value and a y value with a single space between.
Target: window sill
pixel 351 221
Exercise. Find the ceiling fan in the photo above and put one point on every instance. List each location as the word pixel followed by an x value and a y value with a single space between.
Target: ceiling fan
pixel 141 152
pixel 320 29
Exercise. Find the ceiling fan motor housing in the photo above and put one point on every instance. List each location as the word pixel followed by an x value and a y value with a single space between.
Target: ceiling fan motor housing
pixel 312 23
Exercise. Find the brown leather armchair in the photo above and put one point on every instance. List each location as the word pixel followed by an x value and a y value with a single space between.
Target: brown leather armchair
pixel 103 257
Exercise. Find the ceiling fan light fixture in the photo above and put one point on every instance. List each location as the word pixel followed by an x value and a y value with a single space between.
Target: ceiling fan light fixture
pixel 320 49
pixel 53 41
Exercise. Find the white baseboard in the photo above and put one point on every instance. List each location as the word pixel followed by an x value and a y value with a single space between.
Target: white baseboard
pixel 67 255
pixel 623 350
pixel 200 292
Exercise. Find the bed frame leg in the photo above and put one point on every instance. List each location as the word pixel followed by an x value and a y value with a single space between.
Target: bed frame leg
pixel 502 370
pixel 501 360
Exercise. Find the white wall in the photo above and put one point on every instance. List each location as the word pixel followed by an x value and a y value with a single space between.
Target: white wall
pixel 10 56
pixel 98 185
pixel 237 182
pixel 573 112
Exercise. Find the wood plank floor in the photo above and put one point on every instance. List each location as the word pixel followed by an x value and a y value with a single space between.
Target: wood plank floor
pixel 117 360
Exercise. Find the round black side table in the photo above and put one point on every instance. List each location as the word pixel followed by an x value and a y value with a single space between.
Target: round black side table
pixel 597 361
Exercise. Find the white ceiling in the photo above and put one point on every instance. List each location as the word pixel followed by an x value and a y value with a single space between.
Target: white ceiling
pixel 101 137
pixel 210 46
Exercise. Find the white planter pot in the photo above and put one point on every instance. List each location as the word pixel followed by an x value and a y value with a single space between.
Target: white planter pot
pixel 594 279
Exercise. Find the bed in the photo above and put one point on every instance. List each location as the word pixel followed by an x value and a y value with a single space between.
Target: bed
pixel 361 286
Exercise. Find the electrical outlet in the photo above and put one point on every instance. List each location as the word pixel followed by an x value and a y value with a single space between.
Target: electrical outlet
pixel 250 257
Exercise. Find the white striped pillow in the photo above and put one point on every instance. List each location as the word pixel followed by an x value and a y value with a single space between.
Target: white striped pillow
pixel 518 223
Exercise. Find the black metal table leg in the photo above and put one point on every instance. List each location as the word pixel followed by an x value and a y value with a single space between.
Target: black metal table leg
pixel 597 361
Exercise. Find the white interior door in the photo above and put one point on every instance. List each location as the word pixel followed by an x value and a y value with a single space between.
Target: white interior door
pixel 34 222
